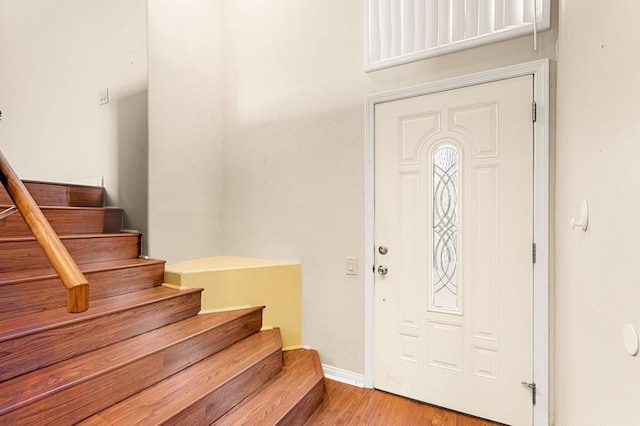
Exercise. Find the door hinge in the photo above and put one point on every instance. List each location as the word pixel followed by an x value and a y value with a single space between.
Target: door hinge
pixel 534 112
pixel 533 252
pixel 531 386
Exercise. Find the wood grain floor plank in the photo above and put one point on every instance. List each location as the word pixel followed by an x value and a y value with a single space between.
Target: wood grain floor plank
pixel 348 405
pixel 342 405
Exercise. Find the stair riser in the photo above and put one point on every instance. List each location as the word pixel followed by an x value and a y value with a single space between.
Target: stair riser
pixel 201 393
pixel 289 399
pixel 49 293
pixel 51 194
pixel 305 408
pixel 222 399
pixel 25 254
pixel 104 390
pixel 27 353
pixel 66 222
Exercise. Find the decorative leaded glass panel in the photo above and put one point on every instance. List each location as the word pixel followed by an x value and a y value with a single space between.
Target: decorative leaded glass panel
pixel 444 291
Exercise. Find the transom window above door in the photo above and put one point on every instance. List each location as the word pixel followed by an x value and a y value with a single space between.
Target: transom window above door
pixel 402 31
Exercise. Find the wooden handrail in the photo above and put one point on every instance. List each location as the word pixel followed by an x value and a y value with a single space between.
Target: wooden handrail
pixel 73 279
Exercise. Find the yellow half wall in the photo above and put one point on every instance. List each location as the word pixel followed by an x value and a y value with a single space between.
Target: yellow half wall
pixel 235 282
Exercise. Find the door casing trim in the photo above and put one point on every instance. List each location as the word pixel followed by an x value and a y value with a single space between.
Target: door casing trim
pixel 541 355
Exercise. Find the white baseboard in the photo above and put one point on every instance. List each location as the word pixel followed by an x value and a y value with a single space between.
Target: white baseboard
pixel 343 376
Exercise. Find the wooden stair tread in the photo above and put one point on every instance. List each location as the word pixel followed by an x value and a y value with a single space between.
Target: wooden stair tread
pixel 93 366
pixel 60 194
pixel 67 220
pixel 289 398
pixel 67 208
pixel 22 253
pixel 26 292
pixel 204 391
pixel 73 236
pixel 13 277
pixel 33 323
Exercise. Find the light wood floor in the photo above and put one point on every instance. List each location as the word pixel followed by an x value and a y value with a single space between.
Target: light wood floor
pixel 348 405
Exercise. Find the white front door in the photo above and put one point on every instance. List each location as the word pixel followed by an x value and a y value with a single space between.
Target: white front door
pixel 454 232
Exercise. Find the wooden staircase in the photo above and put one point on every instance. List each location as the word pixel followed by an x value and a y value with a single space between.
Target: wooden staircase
pixel 140 354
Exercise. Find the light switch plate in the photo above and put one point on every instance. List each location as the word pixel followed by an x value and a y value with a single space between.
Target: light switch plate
pixel 352 266
pixel 103 96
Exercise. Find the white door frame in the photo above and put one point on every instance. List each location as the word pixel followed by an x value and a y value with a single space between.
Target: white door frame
pixel 540 72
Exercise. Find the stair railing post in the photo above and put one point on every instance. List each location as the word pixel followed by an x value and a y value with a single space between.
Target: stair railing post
pixel 69 272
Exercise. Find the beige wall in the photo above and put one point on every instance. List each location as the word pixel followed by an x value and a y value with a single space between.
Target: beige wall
pixel 55 56
pixel 185 123
pixel 293 151
pixel 598 159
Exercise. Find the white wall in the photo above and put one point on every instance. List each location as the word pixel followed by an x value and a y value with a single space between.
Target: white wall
pixel 598 159
pixel 293 152
pixel 55 56
pixel 185 116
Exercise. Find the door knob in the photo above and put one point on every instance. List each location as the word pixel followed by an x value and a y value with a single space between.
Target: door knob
pixel 383 250
pixel 382 269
